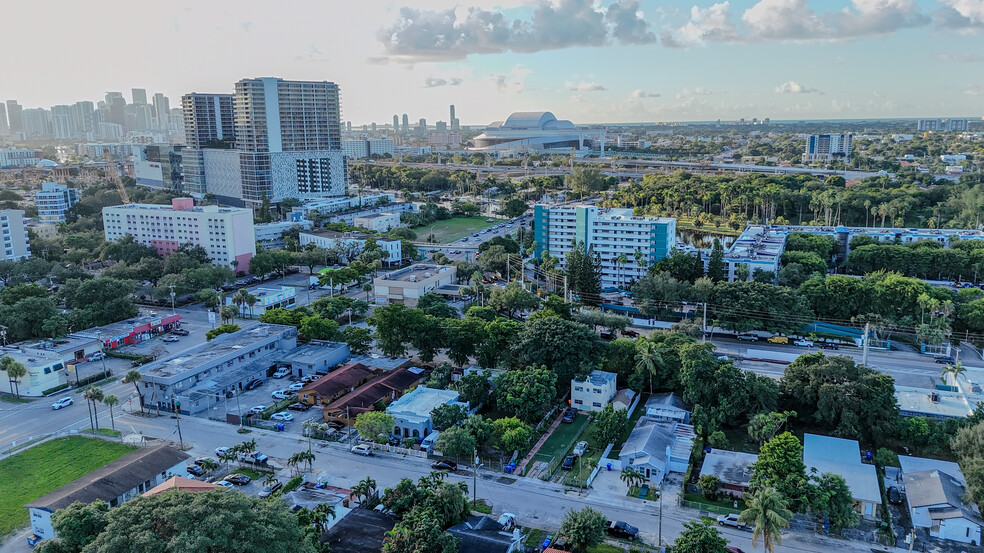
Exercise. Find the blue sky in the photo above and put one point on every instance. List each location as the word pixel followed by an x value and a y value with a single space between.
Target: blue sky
pixel 585 60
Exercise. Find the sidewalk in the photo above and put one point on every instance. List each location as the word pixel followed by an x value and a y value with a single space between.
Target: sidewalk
pixel 539 443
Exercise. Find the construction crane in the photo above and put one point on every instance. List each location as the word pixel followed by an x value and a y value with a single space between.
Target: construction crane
pixel 113 172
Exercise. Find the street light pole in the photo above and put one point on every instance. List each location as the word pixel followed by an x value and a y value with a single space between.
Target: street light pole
pixel 177 418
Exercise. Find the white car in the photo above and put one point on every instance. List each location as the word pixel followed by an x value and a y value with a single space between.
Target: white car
pixel 257 409
pixel 580 449
pixel 280 394
pixel 98 356
pixel 61 403
pixel 295 387
pixel 281 372
pixel 220 451
pixel 803 343
pixel 362 449
pixel 285 417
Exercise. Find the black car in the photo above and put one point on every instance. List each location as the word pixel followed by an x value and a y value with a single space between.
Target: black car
pixel 195 470
pixel 394 440
pixel 238 479
pixel 825 345
pixel 444 465
pixel 180 332
pixel 568 463
pixel 254 384
pixel 622 530
pixel 894 496
pixel 946 360
pixel 569 415
pixel 298 406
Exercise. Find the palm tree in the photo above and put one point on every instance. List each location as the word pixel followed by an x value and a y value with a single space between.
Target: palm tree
pixel 228 457
pixel 110 401
pixel 648 359
pixel 622 260
pixel 954 370
pixel 133 377
pixel 270 480
pixel 321 514
pixel 94 394
pixel 768 513
pixel 15 371
pixel 301 457
pixel 367 287
pixel 228 313
pixel 632 478
pixel 363 490
pixel 243 299
pixel 208 465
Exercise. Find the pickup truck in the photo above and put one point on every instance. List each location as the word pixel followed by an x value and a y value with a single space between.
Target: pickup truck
pixel 254 457
pixel 619 529
pixel 731 520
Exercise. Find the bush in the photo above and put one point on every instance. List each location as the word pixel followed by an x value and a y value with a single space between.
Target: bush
pixel 93 379
pixel 292 484
pixel 54 390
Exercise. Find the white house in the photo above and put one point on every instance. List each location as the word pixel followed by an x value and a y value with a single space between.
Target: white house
pixel 115 483
pixel 413 411
pixel 267 298
pixel 935 502
pixel 595 392
pixel 667 407
pixel 655 448
pixel 843 457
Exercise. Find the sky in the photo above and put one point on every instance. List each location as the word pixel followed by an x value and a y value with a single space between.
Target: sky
pixel 590 61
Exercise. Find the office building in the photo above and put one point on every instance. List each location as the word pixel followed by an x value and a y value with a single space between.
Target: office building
pixel 396 123
pixel 138 96
pixel 13 157
pixel 441 127
pixel 422 127
pixel 4 127
pixel 406 125
pixel 267 297
pixel 159 165
pixel 610 233
pixel 226 233
pixel 827 147
pixel 453 120
pixel 407 285
pixel 54 200
pixel 537 131
pixel 16 244
pixel 352 244
pixel 15 116
pixel 46 362
pixel 208 120
pixel 37 123
pixel 366 147
pixel 162 111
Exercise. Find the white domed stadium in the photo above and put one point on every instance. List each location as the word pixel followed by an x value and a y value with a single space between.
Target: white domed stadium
pixel 537 131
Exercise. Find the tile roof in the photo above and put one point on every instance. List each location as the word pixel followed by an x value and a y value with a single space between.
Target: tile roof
pixel 181 483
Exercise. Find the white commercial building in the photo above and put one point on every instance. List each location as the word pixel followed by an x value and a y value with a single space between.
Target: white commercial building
pixel 407 285
pixel 270 235
pixel 352 244
pixel 827 147
pixel 538 131
pixel 16 244
pixel 226 233
pixel 413 411
pixel 378 222
pixel 593 393
pixel 267 297
pixel 627 244
pixel 54 200
pixel 19 158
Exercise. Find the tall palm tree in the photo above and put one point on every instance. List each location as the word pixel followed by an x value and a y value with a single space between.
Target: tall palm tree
pixel 270 480
pixel 321 514
pixel 110 401
pixel 954 371
pixel 15 371
pixel 228 313
pixel 364 490
pixel 94 394
pixel 648 360
pixel 209 465
pixel 767 511
pixel 133 376
pixel 244 299
pixel 622 260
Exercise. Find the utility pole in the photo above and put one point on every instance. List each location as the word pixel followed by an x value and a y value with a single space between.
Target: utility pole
pixel 475 480
pixel 565 288
pixel 703 327
pixel 177 417
pixel 659 543
pixel 239 410
pixel 508 259
pixel 348 421
pixel 864 352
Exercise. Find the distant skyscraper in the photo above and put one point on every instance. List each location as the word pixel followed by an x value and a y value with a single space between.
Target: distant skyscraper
pixel 83 113
pixel 4 128
pixel 116 105
pixel 928 125
pixel 139 95
pixel 956 125
pixel 162 111
pixel 453 121
pixel 15 116
pixel 826 147
pixel 373 126
pixel 37 123
pixel 208 119
pixel 396 123
pixel 440 126
pixel 422 127
pixel 63 122
pixel 348 126
pixel 406 124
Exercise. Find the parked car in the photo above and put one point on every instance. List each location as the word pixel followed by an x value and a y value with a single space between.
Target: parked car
pixel 580 449
pixel 335 425
pixel 444 465
pixel 828 345
pixel 569 415
pixel 257 409
pixel 62 403
pixel 630 333
pixel 945 360
pixel 282 416
pixel 731 520
pixel 98 356
pixel 180 332
pixel 310 378
pixel 171 339
pixel 238 479
pixel 803 343
pixel 221 451
pixel 619 529
pixel 254 384
pixel 267 491
pixel 568 463
pixel 733 549
pixel 748 337
pixel 224 483
pixel 295 387
pixel 280 394
pixel 200 460
pixel 254 457
pixel 362 449
pixel 778 340
pixel 298 406
pixel 894 496
pixel 195 470
pixel 282 372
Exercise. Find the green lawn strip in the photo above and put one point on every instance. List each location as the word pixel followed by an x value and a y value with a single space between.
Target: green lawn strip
pixel 640 410
pixel 454 229
pixel 482 506
pixel 13 399
pixel 104 432
pixel 578 478
pixel 44 468
pixel 253 474
pixel 606 548
pixel 556 444
pixel 651 493
pixel 726 503
pixel 533 540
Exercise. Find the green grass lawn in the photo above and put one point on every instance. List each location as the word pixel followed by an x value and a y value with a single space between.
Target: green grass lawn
pixel 588 462
pixel 726 503
pixel 253 474
pixel 651 493
pixel 44 468
pixel 481 506
pixel 606 548
pixel 556 444
pixel 533 539
pixel 455 228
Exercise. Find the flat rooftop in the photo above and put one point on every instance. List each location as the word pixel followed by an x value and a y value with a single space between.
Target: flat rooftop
pixel 335 235
pixel 416 273
pixel 207 353
pixel 122 328
pixel 375 215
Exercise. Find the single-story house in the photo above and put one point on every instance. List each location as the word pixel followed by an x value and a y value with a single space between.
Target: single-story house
pixel 385 388
pixel 936 404
pixel 667 407
pixel 359 531
pixel 623 399
pixel 115 483
pixel 335 384
pixel 316 357
pixel 655 448
pixel 483 534
pixel 594 392
pixel 267 298
pixel 413 411
pixel 843 457
pixel 732 468
pixel 936 502
pixel 909 465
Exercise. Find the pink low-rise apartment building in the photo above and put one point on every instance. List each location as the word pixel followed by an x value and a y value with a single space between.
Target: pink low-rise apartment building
pixel 226 233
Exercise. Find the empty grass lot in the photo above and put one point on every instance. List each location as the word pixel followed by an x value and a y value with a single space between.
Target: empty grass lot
pixel 44 468
pixel 558 442
pixel 456 228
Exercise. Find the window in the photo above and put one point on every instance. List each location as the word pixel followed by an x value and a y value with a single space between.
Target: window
pixel 578 402
pixel 597 390
pixel 578 388
pixel 596 404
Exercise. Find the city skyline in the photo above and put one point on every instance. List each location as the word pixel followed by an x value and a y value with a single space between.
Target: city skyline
pixel 591 62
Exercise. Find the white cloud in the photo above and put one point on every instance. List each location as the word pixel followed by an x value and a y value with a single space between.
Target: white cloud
pixel 628 23
pixel 514 81
pixel 584 86
pixel 432 82
pixel 793 87
pixel 711 24
pixel 690 93
pixel 637 94
pixel 964 15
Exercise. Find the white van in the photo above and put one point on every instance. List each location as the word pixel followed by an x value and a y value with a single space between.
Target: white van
pixel 430 440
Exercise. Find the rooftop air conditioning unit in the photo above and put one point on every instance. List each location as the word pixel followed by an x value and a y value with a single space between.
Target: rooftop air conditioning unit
pixel 413 278
pixel 934 397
